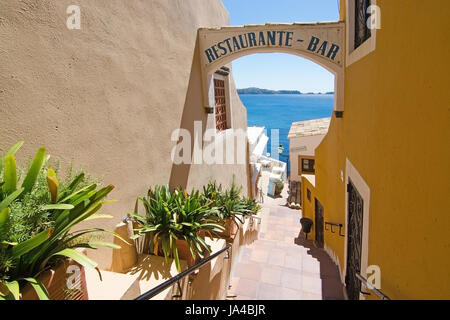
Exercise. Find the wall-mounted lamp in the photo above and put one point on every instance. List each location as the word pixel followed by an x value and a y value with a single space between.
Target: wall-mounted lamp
pixel 208 109
pixel 339 114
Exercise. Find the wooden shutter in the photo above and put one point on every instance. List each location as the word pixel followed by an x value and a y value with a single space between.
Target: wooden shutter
pixel 221 107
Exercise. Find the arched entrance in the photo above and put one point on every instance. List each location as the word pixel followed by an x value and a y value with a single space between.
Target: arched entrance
pixel 322 43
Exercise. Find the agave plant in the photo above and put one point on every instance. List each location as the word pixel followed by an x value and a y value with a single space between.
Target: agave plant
pixel 230 205
pixel 36 219
pixel 251 205
pixel 211 193
pixel 279 185
pixel 173 216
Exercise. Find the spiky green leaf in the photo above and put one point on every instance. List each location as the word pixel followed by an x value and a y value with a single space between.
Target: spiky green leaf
pixel 10 175
pixel 33 172
pixel 32 243
pixel 40 289
pixel 78 257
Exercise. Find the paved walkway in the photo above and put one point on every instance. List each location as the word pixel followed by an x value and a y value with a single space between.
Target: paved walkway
pixel 281 265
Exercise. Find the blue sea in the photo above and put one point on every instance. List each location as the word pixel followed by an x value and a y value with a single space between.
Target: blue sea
pixel 278 111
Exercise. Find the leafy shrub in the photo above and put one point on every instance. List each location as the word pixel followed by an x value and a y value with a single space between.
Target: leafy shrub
pixel 251 205
pixel 279 185
pixel 36 221
pixel 171 216
pixel 229 204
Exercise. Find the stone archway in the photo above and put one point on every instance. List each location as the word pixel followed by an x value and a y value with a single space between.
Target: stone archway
pixel 322 43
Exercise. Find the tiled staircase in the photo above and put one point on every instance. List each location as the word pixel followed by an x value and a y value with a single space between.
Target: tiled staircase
pixel 276 267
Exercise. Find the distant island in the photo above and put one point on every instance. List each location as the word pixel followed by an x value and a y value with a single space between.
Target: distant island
pixel 267 91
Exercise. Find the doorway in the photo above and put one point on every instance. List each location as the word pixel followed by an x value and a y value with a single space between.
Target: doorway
pixel 354 241
pixel 318 209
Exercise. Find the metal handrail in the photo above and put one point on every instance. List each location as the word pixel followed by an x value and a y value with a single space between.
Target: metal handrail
pixel 163 286
pixel 257 218
pixel 378 293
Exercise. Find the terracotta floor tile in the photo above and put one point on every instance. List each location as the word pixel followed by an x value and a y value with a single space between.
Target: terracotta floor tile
pixel 293 262
pixel 259 255
pixel 311 296
pixel 248 270
pixel 291 280
pixel 269 292
pixel 244 298
pixel 311 266
pixel 247 287
pixel 233 283
pixel 271 275
pixel 311 284
pixel 280 264
pixel 290 294
pixel 276 257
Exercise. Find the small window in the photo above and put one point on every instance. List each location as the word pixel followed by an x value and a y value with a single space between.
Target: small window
pixel 362 31
pixel 220 105
pixel 308 165
pixel 308 194
pixel 361 35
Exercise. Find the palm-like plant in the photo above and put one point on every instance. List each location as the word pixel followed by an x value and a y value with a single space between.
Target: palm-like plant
pixel 211 193
pixel 174 216
pixel 36 219
pixel 231 207
pixel 251 205
pixel 230 204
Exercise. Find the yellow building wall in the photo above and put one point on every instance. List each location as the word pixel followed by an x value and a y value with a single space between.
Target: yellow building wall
pixel 395 131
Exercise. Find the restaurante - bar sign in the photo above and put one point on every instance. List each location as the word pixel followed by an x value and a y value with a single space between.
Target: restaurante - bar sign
pixel 265 39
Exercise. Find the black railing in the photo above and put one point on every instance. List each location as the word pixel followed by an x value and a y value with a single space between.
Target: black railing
pixel 368 285
pixel 176 279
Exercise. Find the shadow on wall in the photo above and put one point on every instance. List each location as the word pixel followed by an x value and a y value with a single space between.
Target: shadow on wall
pixel 192 111
pixel 332 288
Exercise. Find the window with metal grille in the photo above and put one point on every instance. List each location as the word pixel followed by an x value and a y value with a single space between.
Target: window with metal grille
pixel 307 165
pixel 220 105
pixel 362 32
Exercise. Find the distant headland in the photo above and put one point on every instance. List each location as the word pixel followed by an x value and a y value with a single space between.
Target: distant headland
pixel 254 90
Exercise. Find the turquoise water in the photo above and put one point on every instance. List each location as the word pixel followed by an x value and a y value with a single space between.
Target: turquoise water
pixel 278 111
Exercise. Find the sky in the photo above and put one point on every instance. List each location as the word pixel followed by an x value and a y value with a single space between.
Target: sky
pixel 280 71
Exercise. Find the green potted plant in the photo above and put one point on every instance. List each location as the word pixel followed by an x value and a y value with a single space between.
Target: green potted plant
pixel 174 222
pixel 36 219
pixel 231 210
pixel 211 192
pixel 279 185
pixel 251 205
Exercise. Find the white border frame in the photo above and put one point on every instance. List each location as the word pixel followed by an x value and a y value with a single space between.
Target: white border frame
pixel 364 191
pixel 352 55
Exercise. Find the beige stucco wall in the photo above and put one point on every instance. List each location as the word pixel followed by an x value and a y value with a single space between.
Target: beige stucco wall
pixel 108 96
pixel 310 143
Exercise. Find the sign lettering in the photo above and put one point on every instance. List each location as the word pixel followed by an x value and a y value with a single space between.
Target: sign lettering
pixel 269 38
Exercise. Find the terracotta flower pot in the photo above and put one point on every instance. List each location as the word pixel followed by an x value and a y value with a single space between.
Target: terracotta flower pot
pixel 231 228
pixel 185 254
pixel 67 281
